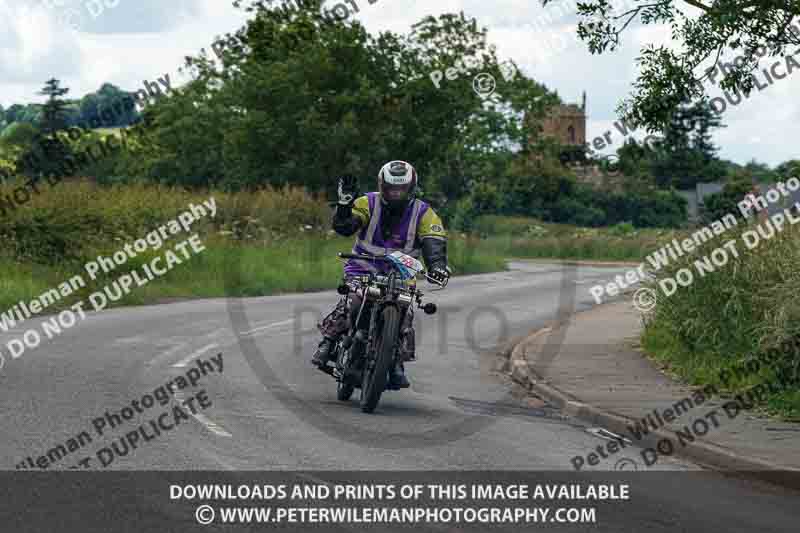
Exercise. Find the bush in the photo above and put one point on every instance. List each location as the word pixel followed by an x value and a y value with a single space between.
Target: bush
pixel 505 225
pixel 622 229
pixel 570 210
pixel 587 206
pixel 746 311
pixel 717 205
pixel 75 220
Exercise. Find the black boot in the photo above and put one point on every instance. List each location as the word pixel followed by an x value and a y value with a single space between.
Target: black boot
pixel 407 349
pixel 397 378
pixel 323 354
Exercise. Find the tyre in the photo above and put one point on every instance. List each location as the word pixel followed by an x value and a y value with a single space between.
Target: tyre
pixel 344 391
pixel 345 387
pixel 375 381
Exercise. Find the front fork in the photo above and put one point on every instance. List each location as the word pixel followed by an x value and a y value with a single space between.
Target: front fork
pixel 362 340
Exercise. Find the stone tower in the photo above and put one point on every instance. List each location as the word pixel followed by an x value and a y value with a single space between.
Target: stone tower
pixel 567 123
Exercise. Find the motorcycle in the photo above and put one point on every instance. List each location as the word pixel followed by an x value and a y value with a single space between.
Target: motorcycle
pixel 366 354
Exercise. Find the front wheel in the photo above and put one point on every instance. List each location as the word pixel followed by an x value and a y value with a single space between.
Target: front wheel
pixel 345 386
pixel 375 381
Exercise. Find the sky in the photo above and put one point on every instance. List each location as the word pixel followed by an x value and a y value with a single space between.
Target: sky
pixel 88 42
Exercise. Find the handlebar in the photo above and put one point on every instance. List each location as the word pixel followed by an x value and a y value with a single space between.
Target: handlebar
pixel 342 255
pixel 363 256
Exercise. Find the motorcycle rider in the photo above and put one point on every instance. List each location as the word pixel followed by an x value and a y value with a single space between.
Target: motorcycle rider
pixel 391 219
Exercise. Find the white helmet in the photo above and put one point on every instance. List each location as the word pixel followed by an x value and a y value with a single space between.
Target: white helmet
pixel 397 184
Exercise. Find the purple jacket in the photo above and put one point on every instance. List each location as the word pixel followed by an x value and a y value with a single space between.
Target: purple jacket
pixel 370 238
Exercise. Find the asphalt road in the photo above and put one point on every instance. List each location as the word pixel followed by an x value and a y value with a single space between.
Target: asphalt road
pixel 271 410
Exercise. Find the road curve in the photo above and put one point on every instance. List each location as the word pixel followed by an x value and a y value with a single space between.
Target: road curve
pixel 270 410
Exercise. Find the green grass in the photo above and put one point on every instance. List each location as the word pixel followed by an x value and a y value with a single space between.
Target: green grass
pixel 268 242
pixel 278 241
pixel 727 374
pixel 522 237
pixel 743 319
pixel 22 281
pixel 224 269
pixel 108 131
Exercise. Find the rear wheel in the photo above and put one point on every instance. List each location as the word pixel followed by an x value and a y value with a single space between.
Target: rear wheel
pixel 375 381
pixel 344 391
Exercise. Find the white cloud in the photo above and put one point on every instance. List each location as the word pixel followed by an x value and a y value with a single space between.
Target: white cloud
pixel 142 39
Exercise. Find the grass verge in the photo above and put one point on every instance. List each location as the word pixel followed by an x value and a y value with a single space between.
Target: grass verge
pixel 737 328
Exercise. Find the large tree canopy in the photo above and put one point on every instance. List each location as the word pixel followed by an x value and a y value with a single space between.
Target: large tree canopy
pixel 703 32
pixel 294 97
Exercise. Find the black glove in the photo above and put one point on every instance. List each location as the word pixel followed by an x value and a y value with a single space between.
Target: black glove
pixel 348 190
pixel 440 275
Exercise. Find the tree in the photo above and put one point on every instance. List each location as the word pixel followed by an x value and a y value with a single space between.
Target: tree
pixel 686 155
pixel 109 107
pixel 19 135
pixel 788 169
pixel 717 205
pixel 754 172
pixel 702 32
pixel 30 113
pixel 13 113
pixel 635 162
pixel 55 109
pixel 300 99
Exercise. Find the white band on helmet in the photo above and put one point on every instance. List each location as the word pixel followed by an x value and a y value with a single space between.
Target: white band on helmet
pixel 397 173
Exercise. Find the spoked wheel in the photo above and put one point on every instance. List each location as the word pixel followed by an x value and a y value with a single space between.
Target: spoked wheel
pixel 345 387
pixel 374 382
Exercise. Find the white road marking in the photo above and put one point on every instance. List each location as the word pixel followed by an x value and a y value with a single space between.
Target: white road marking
pixel 166 354
pixel 129 340
pixel 215 333
pixel 252 415
pixel 203 419
pixel 285 322
pixel 314 479
pixel 606 434
pixel 183 362
pixel 211 425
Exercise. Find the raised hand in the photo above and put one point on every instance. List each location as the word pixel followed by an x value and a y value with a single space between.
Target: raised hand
pixel 348 189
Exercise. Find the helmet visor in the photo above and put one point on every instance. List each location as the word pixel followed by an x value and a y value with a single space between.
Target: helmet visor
pixel 395 192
